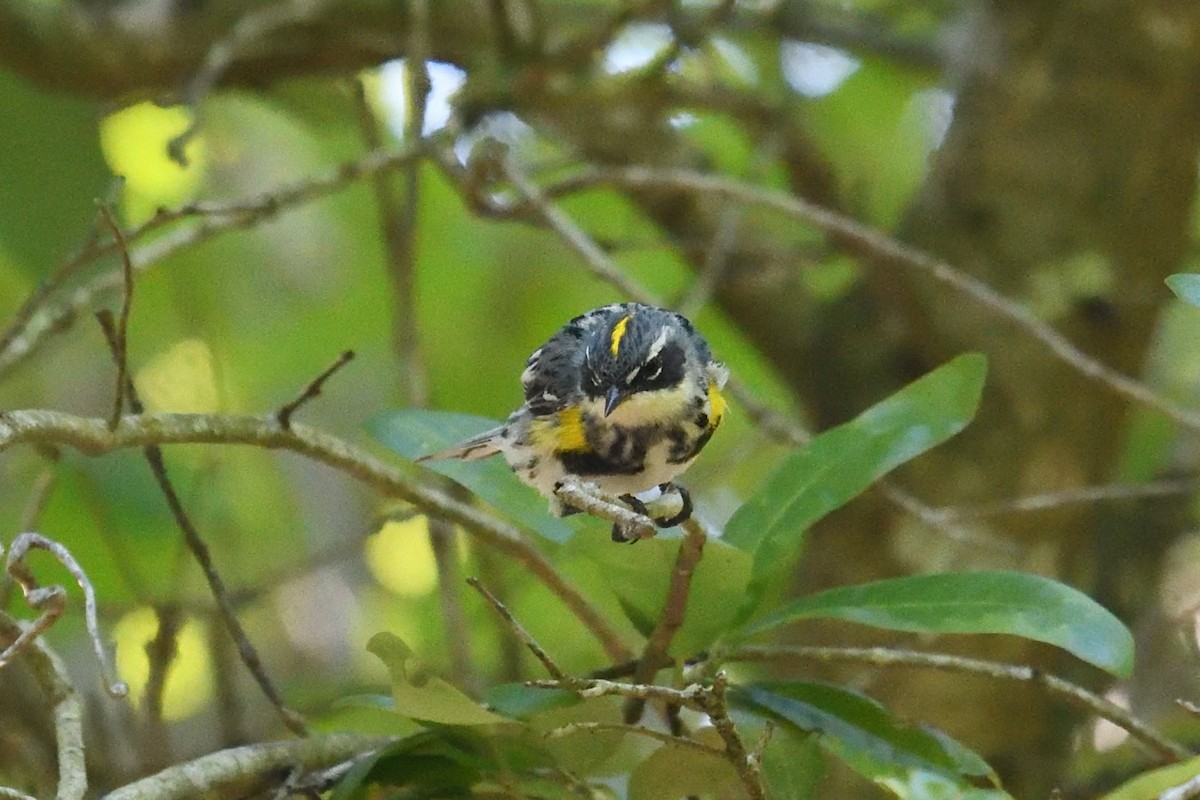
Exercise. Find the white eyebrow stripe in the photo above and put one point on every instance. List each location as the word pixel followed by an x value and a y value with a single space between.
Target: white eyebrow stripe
pixel 657 345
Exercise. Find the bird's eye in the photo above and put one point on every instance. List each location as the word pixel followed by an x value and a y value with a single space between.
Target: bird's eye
pixel 652 369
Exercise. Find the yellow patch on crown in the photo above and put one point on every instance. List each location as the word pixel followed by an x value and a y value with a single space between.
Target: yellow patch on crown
pixel 619 333
pixel 716 405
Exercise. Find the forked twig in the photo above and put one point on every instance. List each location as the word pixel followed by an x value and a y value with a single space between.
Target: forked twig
pixel 285 412
pixel 51 602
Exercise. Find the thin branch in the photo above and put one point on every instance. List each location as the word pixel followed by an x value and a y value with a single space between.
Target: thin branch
pixel 203 556
pixel 51 675
pixel 120 343
pixel 587 498
pixel 519 631
pixel 573 728
pixel 214 219
pixel 889 657
pixel 160 653
pixel 654 655
pixel 51 602
pixel 710 701
pixel 250 770
pixel 61 274
pixel 1068 497
pixel 252 29
pixel 191 536
pixel 743 760
pixel 92 436
pixel 312 390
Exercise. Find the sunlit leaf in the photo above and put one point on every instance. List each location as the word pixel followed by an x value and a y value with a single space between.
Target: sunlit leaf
pixel 1013 603
pixel 1152 785
pixel 414 433
pixel 842 462
pixel 422 696
pixel 862 733
pixel 1186 287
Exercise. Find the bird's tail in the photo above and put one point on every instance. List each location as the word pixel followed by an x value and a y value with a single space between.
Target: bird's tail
pixel 477 447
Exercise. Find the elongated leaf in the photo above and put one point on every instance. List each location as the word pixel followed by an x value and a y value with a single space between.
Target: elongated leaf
pixel 1152 785
pixel 415 432
pixel 518 701
pixel 425 697
pixel 841 463
pixel 975 602
pixel 864 735
pixel 1186 287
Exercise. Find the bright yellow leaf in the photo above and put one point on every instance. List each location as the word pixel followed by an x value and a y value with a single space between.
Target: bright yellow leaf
pixel 134 141
pixel 181 380
pixel 188 686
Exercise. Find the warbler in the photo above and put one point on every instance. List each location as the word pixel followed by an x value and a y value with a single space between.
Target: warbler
pixel 624 396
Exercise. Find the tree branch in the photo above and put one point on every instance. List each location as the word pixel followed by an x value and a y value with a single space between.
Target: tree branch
pixel 91 436
pixel 249 770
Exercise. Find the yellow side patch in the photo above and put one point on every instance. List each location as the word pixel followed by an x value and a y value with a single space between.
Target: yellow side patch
pixel 570 434
pixel 716 405
pixel 619 333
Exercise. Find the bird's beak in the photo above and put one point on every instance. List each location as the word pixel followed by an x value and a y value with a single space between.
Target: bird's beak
pixel 613 399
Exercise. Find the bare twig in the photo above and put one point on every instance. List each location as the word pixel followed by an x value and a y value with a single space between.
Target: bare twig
pixel 888 657
pixel 51 675
pixel 61 274
pixel 710 701
pixel 191 536
pixel 587 498
pixel 312 390
pixel 1068 497
pixel 250 770
pixel 254 27
pixel 203 556
pixel 51 601
pixel 743 760
pixel 640 730
pixel 120 342
pixel 160 653
pixel 92 436
pixel 214 219
pixel 519 631
pixel 654 655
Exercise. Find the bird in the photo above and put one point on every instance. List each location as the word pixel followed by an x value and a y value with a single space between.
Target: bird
pixel 624 397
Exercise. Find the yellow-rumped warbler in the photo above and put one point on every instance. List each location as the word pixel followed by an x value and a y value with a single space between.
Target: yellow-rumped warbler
pixel 624 396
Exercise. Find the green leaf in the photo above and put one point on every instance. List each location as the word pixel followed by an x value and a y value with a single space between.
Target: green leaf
pixel 1186 287
pixel 422 696
pixel 792 765
pixel 1013 603
pixel 673 771
pixel 1151 785
pixel 518 701
pixel 640 574
pixel 843 462
pixel 415 432
pixel 424 761
pixel 862 733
